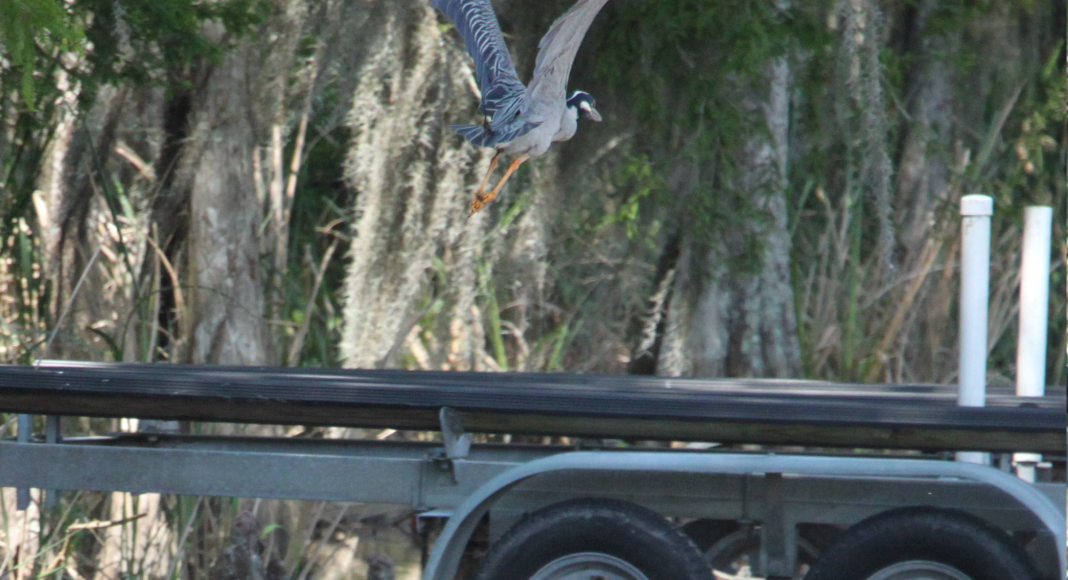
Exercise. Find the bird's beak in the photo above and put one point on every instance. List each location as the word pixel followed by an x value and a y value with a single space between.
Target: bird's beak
pixel 594 115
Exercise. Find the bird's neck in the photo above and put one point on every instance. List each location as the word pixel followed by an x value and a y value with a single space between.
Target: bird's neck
pixel 573 112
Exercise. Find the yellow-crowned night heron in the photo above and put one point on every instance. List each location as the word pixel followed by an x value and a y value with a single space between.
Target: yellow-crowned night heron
pixel 521 121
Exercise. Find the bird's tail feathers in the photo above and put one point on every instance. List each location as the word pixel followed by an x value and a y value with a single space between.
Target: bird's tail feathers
pixel 476 134
pixel 480 136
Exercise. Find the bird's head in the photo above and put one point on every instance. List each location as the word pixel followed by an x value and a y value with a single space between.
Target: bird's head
pixel 583 104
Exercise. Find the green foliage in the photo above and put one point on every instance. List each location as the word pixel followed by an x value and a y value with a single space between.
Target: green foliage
pixel 559 338
pixel 1035 161
pixel 140 41
pixel 319 211
pixel 687 68
pixel 23 23
pixel 1028 170
pixel 495 332
pixel 637 177
pixel 113 347
pixel 673 58
pixel 143 40
pixel 682 71
pixel 96 42
pixel 1006 138
pixel 135 40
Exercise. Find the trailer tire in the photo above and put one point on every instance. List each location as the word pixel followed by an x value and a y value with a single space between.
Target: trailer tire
pixel 906 543
pixel 618 539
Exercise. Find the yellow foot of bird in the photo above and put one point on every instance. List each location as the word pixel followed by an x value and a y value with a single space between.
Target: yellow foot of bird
pixel 480 202
pixel 482 199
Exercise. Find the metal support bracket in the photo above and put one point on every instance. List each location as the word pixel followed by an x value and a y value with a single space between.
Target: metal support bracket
pixel 457 443
pixel 53 435
pixel 776 538
pixel 22 494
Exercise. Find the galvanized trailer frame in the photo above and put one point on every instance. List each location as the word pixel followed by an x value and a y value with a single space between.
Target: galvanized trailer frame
pixel 462 482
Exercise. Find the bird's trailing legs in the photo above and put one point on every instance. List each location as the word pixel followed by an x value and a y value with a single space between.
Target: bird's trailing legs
pixel 481 199
pixel 489 172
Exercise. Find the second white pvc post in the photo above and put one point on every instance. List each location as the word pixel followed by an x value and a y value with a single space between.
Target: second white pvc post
pixel 1034 318
pixel 1034 302
pixel 975 211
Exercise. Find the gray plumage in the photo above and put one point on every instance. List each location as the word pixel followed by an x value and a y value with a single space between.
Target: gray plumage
pixel 521 120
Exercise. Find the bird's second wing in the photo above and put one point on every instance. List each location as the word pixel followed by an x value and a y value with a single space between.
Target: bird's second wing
pixel 503 95
pixel 556 51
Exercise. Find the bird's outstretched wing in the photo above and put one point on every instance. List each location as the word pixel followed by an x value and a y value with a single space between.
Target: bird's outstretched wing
pixel 503 95
pixel 556 52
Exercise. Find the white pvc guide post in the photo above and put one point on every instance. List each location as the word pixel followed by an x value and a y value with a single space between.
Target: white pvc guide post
pixel 975 211
pixel 1034 302
pixel 1034 318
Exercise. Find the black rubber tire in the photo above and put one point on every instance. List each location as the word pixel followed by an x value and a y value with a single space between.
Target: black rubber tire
pixel 704 533
pixel 626 531
pixel 949 537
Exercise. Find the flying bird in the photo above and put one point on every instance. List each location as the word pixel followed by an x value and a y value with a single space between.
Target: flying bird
pixel 522 121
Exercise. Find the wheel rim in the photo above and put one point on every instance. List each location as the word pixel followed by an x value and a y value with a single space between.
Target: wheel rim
pixel 737 552
pixel 919 570
pixel 589 566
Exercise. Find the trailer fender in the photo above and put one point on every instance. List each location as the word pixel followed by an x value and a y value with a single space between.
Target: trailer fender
pixel 447 551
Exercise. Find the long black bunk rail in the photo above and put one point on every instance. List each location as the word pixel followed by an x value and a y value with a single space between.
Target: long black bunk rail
pixel 776 412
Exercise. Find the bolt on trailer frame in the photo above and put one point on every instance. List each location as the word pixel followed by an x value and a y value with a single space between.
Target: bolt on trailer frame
pixel 464 482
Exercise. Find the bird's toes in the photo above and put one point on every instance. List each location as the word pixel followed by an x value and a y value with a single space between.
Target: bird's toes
pixel 476 205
